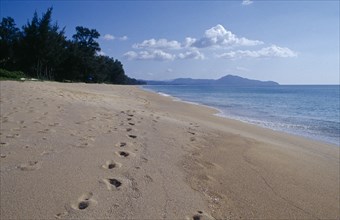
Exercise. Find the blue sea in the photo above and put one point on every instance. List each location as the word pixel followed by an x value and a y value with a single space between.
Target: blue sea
pixel 309 111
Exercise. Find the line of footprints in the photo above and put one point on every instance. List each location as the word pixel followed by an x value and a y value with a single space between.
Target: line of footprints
pixel 86 200
pixel 112 183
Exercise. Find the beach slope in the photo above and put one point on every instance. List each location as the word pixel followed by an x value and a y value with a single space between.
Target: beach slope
pixel 80 151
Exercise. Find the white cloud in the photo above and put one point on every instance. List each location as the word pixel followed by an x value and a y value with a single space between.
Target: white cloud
pixel 218 36
pixel 169 70
pixel 159 44
pixel 131 55
pixel 272 51
pixel 123 38
pixel 247 2
pixel 111 37
pixel 194 54
pixel 189 41
pixel 108 37
pixel 158 55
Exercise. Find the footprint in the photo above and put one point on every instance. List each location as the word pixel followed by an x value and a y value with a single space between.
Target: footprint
pixel 83 205
pixel 129 129
pixel 148 179
pixel 196 217
pixel 201 216
pixel 123 153
pixel 112 183
pixel 145 160
pixel 132 124
pixel 61 215
pixel 12 135
pixel 3 155
pixel 84 202
pixel 30 166
pixel 121 144
pixel 132 136
pixel 129 119
pixel 110 164
pixel 3 144
pixel 44 131
pixel 4 120
pixel 115 182
pixel 53 124
pixel 195 125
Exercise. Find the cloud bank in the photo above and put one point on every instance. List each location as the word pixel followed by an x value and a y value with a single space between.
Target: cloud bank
pixel 160 55
pixel 272 51
pixel 216 38
pixel 194 54
pixel 159 44
pixel 110 37
pixel 149 55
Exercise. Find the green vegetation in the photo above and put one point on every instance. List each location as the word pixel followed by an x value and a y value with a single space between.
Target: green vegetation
pixel 13 75
pixel 41 50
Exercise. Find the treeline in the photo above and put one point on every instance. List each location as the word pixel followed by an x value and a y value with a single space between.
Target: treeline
pixel 41 50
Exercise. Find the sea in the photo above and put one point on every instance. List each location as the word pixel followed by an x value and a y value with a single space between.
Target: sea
pixel 311 111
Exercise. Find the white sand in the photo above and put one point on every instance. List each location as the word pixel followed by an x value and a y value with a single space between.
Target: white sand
pixel 63 147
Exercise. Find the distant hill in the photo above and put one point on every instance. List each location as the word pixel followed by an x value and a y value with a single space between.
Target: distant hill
pixel 229 80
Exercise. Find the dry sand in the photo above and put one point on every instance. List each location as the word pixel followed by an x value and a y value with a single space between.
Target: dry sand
pixel 86 151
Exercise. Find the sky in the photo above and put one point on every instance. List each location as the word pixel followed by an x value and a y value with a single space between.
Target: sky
pixel 290 42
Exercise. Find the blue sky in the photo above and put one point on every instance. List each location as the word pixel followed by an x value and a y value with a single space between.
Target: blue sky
pixel 291 42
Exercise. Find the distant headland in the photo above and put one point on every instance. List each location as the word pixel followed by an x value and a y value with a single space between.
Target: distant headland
pixel 228 80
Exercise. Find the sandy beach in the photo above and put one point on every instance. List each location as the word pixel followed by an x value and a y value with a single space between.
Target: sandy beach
pixel 96 151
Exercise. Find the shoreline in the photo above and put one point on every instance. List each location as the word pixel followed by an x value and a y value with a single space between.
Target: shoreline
pixel 244 124
pixel 78 151
pixel 220 113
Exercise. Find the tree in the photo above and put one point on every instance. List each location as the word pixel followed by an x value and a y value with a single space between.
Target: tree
pixel 9 36
pixel 85 49
pixel 41 50
pixel 109 70
pixel 29 45
pixel 43 46
pixel 85 38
